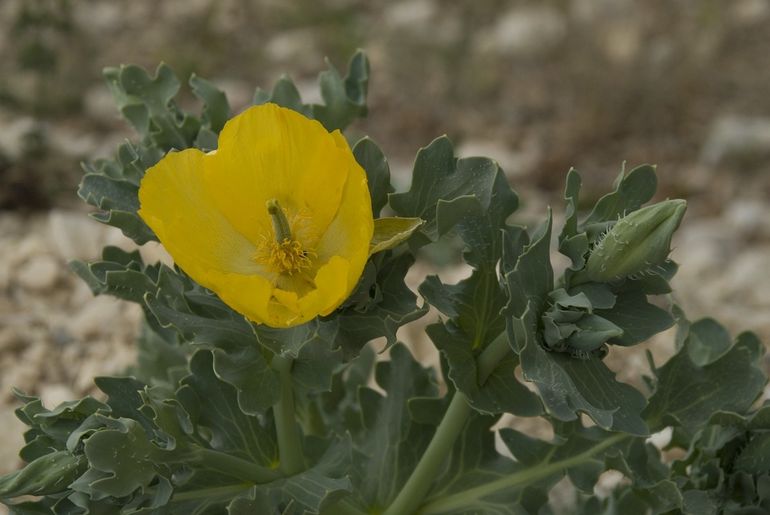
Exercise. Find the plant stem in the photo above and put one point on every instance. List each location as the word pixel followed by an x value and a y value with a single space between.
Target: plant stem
pixel 492 355
pixel 468 498
pixel 440 446
pixel 286 427
pixel 236 467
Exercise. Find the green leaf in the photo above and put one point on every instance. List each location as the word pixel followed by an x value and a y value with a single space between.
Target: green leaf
pixel 216 110
pixel 474 462
pixel 632 190
pixel 159 361
pixel 344 98
pixel 528 282
pixel 379 307
pixel 313 369
pixel 572 242
pixel 375 164
pixel 284 94
pixel 755 456
pixel 687 393
pixel 112 186
pixel 708 340
pixel 238 358
pixel 46 475
pixel 124 398
pixel 291 340
pixel 51 429
pixel 213 406
pixel 446 192
pixel 392 231
pixel 140 96
pixel 118 202
pixel 120 458
pixel 174 303
pixel 490 483
pixel 312 490
pixel 501 392
pixel 392 442
pixel 568 386
pixel 146 102
pixel 638 319
pixel 339 408
pixel 474 304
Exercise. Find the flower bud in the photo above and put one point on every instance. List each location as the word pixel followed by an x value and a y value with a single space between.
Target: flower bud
pixel 635 244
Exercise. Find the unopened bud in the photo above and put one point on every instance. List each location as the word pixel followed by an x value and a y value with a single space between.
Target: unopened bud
pixel 635 244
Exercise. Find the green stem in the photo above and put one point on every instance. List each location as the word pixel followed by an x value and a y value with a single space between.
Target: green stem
pixel 416 487
pixel 235 467
pixel 492 355
pixel 418 484
pixel 286 427
pixel 468 498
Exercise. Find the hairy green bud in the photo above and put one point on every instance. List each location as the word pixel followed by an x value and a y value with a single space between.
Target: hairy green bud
pixel 635 244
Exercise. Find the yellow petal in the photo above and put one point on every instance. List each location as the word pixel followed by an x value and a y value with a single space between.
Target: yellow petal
pixel 351 230
pixel 176 204
pixel 391 231
pixel 270 152
pixel 331 289
pixel 249 295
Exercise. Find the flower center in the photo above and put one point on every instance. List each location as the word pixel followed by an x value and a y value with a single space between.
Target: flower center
pixel 283 253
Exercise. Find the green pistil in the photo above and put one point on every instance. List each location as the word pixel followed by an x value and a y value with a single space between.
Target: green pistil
pixel 280 222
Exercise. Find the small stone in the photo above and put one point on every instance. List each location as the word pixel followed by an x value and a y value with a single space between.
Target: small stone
pixel 524 31
pixel 13 133
pixel 10 340
pixel 26 371
pixel 73 235
pixel 411 14
pixel 31 245
pixel 13 439
pixel 98 317
pixel 737 139
pixel 99 104
pixel 39 273
pixel 749 12
pixel 154 252
pixel 54 394
pixel 299 45
pixel 748 218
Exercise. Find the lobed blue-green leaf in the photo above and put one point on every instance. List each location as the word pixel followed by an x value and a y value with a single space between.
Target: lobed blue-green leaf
pixel 687 393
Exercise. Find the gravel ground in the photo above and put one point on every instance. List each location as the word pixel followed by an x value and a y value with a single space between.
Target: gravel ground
pixel 540 86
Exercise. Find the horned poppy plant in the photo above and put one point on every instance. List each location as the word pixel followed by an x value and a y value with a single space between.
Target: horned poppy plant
pixel 277 221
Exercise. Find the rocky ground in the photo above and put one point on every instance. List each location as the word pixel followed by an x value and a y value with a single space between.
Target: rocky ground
pixel 539 86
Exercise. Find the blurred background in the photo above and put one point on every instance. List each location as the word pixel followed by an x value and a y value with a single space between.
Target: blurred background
pixel 538 85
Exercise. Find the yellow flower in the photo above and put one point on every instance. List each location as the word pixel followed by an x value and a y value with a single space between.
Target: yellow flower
pixel 277 221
